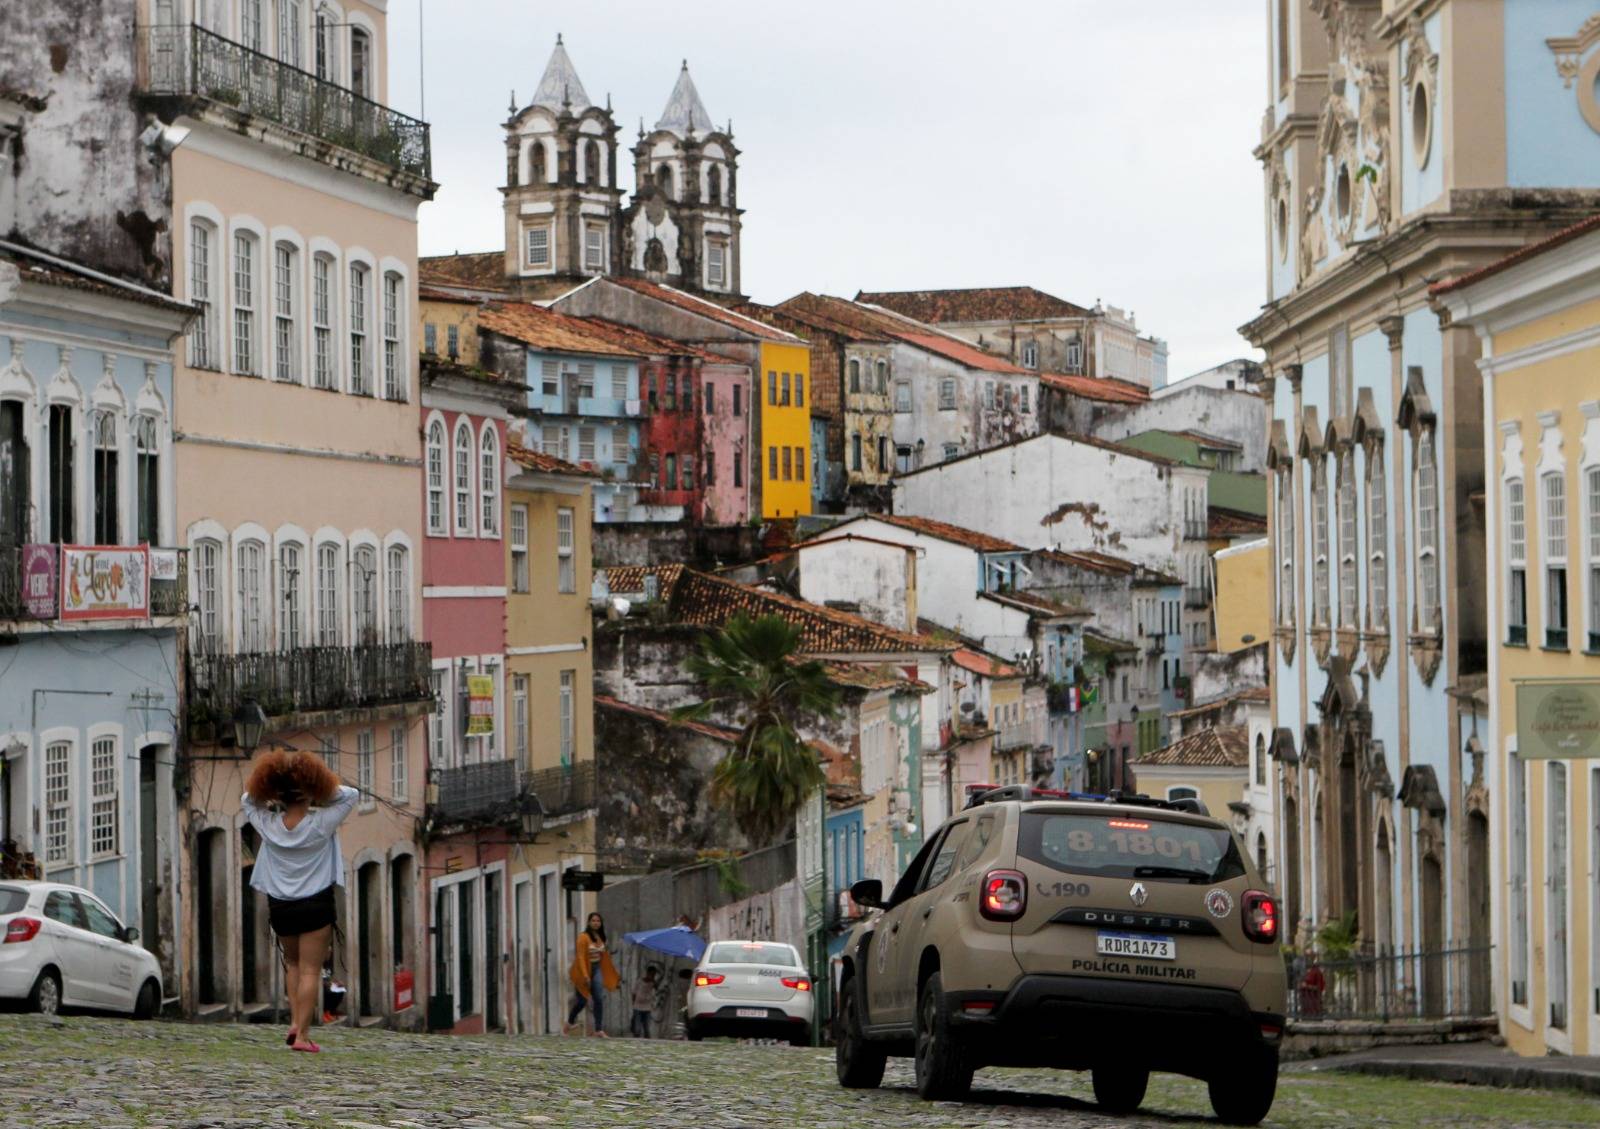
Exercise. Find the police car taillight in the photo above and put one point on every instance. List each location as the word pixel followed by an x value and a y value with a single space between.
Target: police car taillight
pixel 1004 895
pixel 1260 917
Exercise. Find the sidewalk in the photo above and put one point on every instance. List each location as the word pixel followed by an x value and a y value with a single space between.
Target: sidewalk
pixel 1474 1064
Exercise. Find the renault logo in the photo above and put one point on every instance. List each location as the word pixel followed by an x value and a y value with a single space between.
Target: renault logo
pixel 1138 894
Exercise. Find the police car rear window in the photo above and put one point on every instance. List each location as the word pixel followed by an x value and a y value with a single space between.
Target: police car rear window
pixel 1127 847
pixel 12 899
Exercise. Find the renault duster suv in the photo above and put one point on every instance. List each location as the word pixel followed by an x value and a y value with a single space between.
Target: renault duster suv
pixel 1114 934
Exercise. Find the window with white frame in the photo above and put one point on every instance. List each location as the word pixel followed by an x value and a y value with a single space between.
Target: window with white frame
pixel 519 718
pixel 568 688
pixel 244 304
pixel 489 481
pixel 1377 539
pixel 323 362
pixel 621 448
pixel 291 627
pixel 360 352
pixel 538 246
pixel 252 596
pixel 519 547
pixel 585 380
pixel 1553 495
pixel 1591 493
pixel 364 595
pixel 289 46
pixel 1427 479
pixel 104 800
pixel 430 338
pixel 328 594
pixel 1319 543
pixel 452 339
pixel 902 396
pixel 435 458
pixel 438 725
pixel 550 377
pixel 586 444
pixel 716 262
pixel 553 440
pixel 285 340
pixel 463 476
pixel 106 477
pixel 1030 354
pixel 208 573
pixel 397 579
pixel 594 247
pixel 58 802
pixel 365 767
pixel 1284 533
pixel 1349 613
pixel 566 559
pixel 361 69
pixel 202 294
pixel 619 382
pixel 1516 562
pixel 399 770
pixel 251 29
pixel 394 365
pixel 880 368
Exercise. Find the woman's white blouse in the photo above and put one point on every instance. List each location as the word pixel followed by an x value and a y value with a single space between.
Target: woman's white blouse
pixel 298 861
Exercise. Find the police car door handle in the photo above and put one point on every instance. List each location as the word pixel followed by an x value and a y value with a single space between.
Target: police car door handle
pixel 895 928
pixel 926 912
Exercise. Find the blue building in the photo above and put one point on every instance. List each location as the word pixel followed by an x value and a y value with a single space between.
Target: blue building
pixel 92 600
pixel 844 864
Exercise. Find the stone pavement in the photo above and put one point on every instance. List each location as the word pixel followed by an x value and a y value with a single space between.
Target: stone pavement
pixel 114 1073
pixel 1477 1064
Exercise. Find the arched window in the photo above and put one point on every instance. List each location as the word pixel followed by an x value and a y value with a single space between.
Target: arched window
pixel 364 595
pixel 1319 543
pixel 591 162
pixel 489 481
pixel 16 498
pixel 881 387
pixel 324 364
pixel 291 613
pixel 714 185
pixel 203 279
pixel 325 42
pixel 536 173
pixel 1516 563
pixel 106 502
pixel 1261 759
pixel 436 445
pixel 289 33
pixel 1284 537
pixel 1427 534
pixel 246 268
pixel 361 62
pixel 394 366
pixel 208 574
pixel 855 375
pixel 1553 499
pixel 664 180
pixel 1377 539
pixel 252 597
pixel 397 583
pixel 360 351
pixel 285 312
pixel 463 478
pixel 1349 617
pixel 328 570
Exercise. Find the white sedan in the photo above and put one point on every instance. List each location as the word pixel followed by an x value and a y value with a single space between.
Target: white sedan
pixel 61 947
pixel 751 989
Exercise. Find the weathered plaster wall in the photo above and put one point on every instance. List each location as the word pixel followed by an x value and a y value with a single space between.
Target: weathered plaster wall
pixel 1226 414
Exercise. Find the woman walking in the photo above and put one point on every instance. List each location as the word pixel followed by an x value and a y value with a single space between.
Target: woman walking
pixel 593 975
pixel 296 804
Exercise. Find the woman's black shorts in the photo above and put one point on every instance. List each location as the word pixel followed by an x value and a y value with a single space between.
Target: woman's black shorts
pixel 292 917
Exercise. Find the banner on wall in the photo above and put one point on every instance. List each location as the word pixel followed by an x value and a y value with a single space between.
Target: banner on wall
pixel 39 576
pixel 1558 720
pixel 480 705
pixel 105 582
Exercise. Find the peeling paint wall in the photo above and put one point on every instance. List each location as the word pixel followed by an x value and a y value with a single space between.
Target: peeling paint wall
pixel 81 184
pixel 1240 416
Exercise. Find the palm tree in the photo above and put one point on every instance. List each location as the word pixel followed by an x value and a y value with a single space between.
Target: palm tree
pixel 749 670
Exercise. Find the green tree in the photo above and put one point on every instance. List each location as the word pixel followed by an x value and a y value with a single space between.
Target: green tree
pixel 749 670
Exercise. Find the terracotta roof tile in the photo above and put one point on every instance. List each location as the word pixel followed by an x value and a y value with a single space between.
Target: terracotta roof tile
pixel 1085 440
pixel 986 665
pixel 50 270
pixel 984 303
pixel 866 677
pixel 709 309
pixel 1565 235
pixel 652 345
pixel 1253 694
pixel 545 464
pixel 478 270
pixel 941 530
pixel 1033 603
pixel 871 320
pixel 1228 747
pixel 1231 523
pixel 430 294
pixel 1107 389
pixel 546 329
pixel 627 579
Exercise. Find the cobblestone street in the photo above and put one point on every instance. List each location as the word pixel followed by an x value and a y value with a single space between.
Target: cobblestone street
pixel 112 1073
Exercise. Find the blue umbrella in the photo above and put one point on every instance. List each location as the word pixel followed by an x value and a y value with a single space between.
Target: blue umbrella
pixel 675 941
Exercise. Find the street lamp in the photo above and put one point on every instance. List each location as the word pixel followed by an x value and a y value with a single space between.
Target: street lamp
pixel 249 723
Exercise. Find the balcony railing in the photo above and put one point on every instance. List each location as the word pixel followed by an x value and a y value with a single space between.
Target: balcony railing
pixel 188 60
pixel 1194 529
pixel 307 680
pixel 490 791
pixel 563 790
pixel 1016 736
pixel 1195 596
pixel 28 594
pixel 1446 984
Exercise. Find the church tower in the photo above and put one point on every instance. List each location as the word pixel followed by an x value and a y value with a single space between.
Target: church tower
pixel 682 226
pixel 561 194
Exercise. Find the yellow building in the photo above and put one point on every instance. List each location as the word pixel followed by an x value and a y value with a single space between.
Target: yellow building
pixel 785 448
pixel 1211 765
pixel 1243 618
pixel 1539 319
pixel 550 691
pixel 449 325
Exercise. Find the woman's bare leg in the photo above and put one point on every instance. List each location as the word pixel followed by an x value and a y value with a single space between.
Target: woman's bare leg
pixel 290 948
pixel 313 951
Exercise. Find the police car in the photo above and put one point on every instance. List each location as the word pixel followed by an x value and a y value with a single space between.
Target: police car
pixel 1116 934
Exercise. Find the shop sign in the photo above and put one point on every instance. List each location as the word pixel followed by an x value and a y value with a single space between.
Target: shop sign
pixel 1558 720
pixel 480 705
pixel 105 582
pixel 39 581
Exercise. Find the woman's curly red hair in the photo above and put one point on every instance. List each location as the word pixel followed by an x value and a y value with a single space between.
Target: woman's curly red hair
pixel 284 776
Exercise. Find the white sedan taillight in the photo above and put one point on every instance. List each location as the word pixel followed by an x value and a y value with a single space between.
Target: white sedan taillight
pixel 22 929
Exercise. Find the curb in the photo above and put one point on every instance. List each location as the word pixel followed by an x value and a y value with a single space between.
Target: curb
pixel 1507 1076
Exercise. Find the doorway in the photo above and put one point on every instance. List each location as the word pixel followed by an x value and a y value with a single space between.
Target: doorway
pixel 550 977
pixel 149 855
pixel 1479 983
pixel 258 950
pixel 522 940
pixel 1556 912
pixel 1433 995
pixel 1289 873
pixel 211 929
pixel 369 954
pixel 493 965
pixel 1382 931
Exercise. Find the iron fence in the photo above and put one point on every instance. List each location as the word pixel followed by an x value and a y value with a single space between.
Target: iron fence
pixel 493 789
pixel 564 789
pixel 184 59
pixel 308 679
pixel 1441 984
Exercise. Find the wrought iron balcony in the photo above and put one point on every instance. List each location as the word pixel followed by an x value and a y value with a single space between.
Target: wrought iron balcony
pixel 188 61
pixel 488 792
pixel 306 680
pixel 1195 596
pixel 1015 736
pixel 28 592
pixel 563 790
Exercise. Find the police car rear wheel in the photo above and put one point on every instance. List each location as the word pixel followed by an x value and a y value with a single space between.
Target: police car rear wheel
pixel 944 1072
pixel 1244 1094
pixel 1119 1089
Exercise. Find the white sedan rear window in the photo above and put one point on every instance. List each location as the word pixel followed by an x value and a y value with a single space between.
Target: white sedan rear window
pixel 752 952
pixel 12 899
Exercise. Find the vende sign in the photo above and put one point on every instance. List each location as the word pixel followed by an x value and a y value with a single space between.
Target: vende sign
pixel 105 582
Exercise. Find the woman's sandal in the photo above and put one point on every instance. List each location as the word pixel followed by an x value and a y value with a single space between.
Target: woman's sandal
pixel 308 1047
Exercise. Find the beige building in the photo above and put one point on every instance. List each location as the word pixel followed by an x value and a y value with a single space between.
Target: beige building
pixel 294 197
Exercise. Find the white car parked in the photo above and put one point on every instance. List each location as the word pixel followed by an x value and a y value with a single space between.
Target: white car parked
pixel 61 947
pixel 751 989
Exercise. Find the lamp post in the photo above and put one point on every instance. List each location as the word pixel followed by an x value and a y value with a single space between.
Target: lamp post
pixel 249 723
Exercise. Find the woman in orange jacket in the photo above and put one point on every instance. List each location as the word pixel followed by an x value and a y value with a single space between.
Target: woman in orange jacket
pixel 593 975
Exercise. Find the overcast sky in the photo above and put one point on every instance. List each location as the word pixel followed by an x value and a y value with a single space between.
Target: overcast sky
pixel 1095 149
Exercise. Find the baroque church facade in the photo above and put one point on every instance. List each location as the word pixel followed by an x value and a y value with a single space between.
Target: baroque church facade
pixel 565 219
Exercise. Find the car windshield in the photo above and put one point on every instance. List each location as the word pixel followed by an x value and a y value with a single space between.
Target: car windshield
pixel 12 898
pixel 1121 846
pixel 752 952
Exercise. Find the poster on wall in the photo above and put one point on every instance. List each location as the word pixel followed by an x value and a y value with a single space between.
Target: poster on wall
pixel 39 581
pixel 1558 720
pixel 102 582
pixel 480 705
